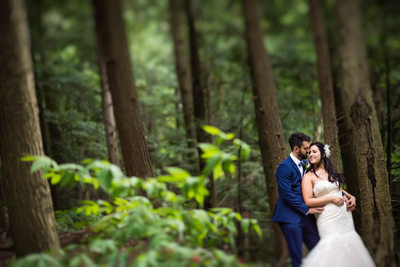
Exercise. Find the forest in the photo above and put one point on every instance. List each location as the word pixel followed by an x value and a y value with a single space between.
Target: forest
pixel 148 133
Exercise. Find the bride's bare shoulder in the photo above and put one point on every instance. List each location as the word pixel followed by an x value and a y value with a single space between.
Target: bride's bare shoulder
pixel 308 176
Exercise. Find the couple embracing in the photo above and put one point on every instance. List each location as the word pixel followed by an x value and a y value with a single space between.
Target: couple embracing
pixel 331 239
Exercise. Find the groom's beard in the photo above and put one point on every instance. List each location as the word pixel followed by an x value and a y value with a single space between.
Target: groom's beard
pixel 302 156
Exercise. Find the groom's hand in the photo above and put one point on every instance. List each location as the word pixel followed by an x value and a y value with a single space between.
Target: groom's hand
pixel 351 204
pixel 317 210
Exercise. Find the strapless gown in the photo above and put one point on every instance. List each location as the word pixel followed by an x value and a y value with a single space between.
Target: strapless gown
pixel 340 245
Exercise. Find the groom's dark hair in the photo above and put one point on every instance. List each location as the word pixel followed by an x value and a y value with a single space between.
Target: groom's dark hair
pixel 297 139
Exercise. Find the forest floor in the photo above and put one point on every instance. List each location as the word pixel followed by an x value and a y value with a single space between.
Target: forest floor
pixel 7 249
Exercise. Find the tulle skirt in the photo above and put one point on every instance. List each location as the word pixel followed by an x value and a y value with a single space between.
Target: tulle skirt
pixel 346 249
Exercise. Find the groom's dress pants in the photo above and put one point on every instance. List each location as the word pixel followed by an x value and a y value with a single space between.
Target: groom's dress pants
pixel 297 233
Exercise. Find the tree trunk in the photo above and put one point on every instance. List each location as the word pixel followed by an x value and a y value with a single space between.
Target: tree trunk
pixel 108 116
pixel 182 71
pixel 110 30
pixel 372 179
pixel 200 113
pixel 389 143
pixel 325 79
pixel 27 195
pixel 270 133
pixel 38 47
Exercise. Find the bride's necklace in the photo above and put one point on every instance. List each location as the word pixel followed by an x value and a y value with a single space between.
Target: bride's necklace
pixel 320 172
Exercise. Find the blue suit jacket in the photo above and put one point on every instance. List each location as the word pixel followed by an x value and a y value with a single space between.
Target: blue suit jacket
pixel 290 207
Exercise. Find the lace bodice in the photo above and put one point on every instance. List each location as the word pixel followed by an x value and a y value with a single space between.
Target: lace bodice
pixel 334 219
pixel 323 187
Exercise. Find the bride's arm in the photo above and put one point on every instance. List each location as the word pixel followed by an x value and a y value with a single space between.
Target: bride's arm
pixel 307 190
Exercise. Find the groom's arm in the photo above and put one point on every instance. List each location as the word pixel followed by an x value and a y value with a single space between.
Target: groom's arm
pixel 351 202
pixel 284 179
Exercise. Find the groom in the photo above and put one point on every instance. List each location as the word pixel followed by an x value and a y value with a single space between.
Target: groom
pixel 294 217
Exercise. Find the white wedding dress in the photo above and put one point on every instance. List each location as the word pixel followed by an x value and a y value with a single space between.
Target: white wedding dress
pixel 340 245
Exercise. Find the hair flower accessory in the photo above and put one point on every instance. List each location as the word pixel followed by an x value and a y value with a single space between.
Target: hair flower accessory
pixel 327 150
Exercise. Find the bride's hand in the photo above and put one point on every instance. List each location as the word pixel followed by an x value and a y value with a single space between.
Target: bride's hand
pixel 338 201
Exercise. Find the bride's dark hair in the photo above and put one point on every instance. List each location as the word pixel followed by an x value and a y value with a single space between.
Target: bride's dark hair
pixel 333 174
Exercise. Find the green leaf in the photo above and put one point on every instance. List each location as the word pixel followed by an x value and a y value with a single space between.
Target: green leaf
pixel 209 150
pixel 211 130
pixel 238 216
pixel 230 136
pixel 211 163
pixel 105 178
pixel 228 166
pixel 256 229
pixel 28 158
pixel 68 178
pixel 42 162
pixel 244 149
pixel 221 211
pixel 178 173
pixel 168 179
pixel 55 178
pixel 69 166
pixel 245 225
pixel 217 171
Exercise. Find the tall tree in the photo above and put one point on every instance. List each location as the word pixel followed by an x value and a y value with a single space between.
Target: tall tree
pixel 270 133
pixel 108 116
pixel 27 195
pixel 371 183
pixel 37 47
pixel 200 111
pixel 110 30
pixel 325 78
pixel 182 71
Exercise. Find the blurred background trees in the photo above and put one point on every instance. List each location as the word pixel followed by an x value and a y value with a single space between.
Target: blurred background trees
pixel 186 75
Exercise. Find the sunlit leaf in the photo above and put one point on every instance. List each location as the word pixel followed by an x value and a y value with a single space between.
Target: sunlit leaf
pixel 211 129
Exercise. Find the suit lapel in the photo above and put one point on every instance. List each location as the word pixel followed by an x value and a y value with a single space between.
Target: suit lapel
pixel 295 166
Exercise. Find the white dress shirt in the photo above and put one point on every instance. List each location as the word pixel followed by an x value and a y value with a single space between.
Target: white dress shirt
pixel 297 161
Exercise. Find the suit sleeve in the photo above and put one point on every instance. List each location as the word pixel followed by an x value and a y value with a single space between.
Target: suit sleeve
pixel 284 179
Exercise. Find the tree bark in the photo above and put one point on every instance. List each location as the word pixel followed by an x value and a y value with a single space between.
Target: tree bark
pixel 182 71
pixel 108 116
pixel 389 143
pixel 38 47
pixel 27 195
pixel 110 30
pixel 372 178
pixel 325 79
pixel 270 133
pixel 200 113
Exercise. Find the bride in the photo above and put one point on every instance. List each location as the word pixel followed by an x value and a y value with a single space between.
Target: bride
pixel 340 245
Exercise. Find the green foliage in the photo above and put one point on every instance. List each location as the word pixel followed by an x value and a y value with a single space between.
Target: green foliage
pixel 66 78
pixel 65 63
pixel 72 220
pixel 146 220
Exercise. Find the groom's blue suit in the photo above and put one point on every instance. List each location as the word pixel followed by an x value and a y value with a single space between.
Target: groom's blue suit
pixel 291 211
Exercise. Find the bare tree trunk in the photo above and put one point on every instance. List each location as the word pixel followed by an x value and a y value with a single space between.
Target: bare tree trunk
pixel 318 127
pixel 108 116
pixel 37 46
pixel 110 30
pixel 325 79
pixel 182 71
pixel 27 195
pixel 389 143
pixel 199 97
pixel 270 133
pixel 372 180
